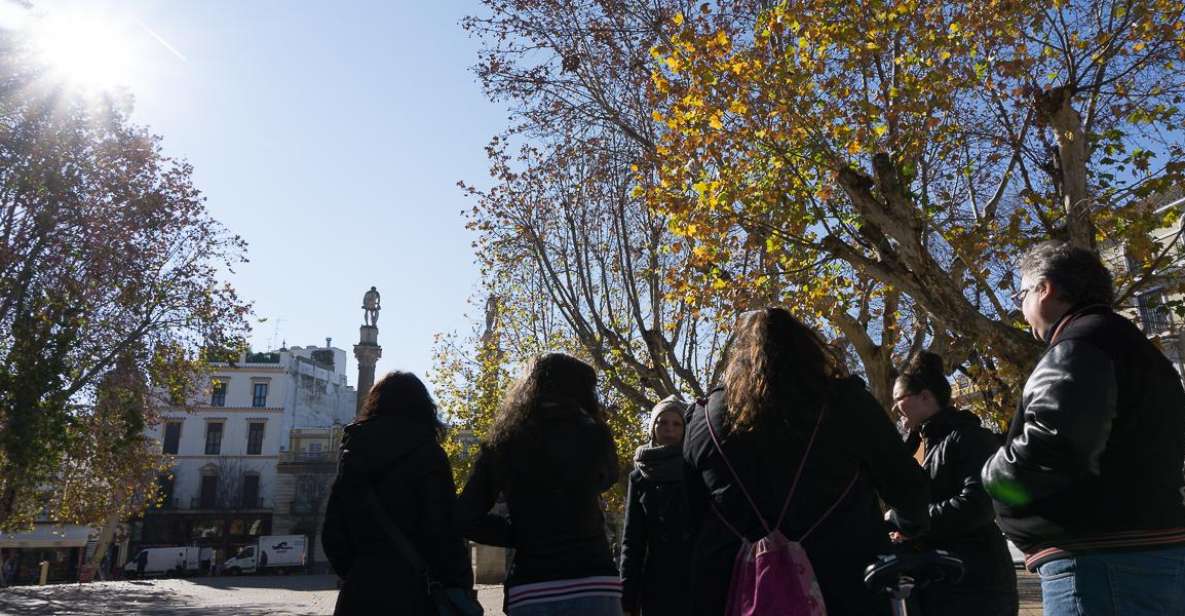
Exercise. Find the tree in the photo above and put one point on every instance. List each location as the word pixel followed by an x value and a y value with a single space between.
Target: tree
pixel 922 146
pixel 107 255
pixel 571 258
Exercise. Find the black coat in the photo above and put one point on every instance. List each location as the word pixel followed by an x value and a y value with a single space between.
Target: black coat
pixel 855 437
pixel 962 520
pixel 1093 456
pixel 412 479
pixel 656 547
pixel 552 474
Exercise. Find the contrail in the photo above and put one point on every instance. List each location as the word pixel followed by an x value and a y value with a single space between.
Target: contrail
pixel 163 42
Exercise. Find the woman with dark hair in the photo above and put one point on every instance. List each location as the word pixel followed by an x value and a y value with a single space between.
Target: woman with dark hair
pixel 656 540
pixel 393 452
pixel 787 409
pixel 961 517
pixel 551 455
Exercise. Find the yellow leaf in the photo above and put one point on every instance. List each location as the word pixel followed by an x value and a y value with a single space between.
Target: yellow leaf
pixel 854 147
pixel 880 130
pixel 656 115
pixel 954 28
pixel 945 55
pixel 678 19
pixel 715 122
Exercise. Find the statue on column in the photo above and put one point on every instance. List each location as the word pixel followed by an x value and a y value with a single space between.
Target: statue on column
pixel 370 307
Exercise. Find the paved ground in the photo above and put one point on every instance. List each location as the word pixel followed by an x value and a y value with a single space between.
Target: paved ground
pixel 296 595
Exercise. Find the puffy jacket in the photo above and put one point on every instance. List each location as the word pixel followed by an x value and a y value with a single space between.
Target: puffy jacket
pixel 552 475
pixel 1094 453
pixel 656 546
pixel 962 520
pixel 410 475
pixel 855 439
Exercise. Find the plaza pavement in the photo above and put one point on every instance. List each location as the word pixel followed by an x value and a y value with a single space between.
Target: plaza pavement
pixel 294 595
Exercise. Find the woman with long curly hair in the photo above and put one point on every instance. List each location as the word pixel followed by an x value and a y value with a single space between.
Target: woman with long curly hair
pixel 551 455
pixel 787 405
pixel 392 451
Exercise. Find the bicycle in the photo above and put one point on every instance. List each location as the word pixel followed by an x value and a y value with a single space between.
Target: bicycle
pixel 899 574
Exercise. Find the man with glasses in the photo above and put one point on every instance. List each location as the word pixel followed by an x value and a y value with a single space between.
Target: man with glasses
pixel 1089 482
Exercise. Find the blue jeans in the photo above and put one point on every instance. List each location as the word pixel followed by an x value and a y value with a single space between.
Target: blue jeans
pixel 580 606
pixel 1141 583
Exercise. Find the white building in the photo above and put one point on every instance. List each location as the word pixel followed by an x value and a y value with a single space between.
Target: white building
pixel 222 491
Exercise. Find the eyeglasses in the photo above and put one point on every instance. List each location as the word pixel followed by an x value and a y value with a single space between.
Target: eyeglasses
pixel 897 401
pixel 1020 295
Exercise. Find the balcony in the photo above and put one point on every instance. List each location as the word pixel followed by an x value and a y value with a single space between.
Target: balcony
pixel 304 507
pixel 197 503
pixel 307 457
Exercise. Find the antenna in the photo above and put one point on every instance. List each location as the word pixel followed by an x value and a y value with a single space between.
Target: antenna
pixel 271 346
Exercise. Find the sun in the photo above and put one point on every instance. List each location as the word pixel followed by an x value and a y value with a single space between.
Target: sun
pixel 83 49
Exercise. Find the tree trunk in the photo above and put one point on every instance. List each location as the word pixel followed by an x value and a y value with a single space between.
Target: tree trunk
pixel 106 534
pixel 1073 155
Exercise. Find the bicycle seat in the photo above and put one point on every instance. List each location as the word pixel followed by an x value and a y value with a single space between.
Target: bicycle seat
pixel 923 569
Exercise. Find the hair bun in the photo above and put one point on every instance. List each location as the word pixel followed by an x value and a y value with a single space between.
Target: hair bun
pixel 927 365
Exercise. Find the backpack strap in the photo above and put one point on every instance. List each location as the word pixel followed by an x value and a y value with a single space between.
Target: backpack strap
pixel 741 484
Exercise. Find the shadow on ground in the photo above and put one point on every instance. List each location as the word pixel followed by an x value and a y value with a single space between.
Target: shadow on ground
pixel 286 582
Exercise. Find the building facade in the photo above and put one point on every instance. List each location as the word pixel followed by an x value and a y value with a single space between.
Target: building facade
pixel 225 487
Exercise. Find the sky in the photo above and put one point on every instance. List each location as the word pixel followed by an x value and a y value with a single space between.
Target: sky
pixel 330 136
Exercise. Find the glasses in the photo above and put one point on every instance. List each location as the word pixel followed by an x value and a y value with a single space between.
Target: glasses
pixel 1020 295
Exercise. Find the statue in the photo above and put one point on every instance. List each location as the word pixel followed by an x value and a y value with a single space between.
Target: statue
pixel 370 306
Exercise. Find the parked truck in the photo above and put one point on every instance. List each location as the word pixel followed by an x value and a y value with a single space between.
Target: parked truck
pixel 271 554
pixel 176 560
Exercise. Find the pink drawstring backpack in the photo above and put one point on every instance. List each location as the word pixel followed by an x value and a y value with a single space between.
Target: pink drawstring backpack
pixel 774 576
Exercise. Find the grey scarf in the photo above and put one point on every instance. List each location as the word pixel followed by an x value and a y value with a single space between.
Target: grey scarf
pixel 660 462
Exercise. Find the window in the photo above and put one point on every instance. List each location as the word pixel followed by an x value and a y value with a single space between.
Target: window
pixel 218 395
pixel 259 395
pixel 172 437
pixel 209 494
pixel 251 491
pixel 213 438
pixel 255 438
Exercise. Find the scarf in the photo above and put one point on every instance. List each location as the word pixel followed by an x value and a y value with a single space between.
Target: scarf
pixel 660 462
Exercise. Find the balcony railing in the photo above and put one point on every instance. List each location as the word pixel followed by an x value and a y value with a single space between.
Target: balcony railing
pixel 199 503
pixel 307 456
pixel 305 506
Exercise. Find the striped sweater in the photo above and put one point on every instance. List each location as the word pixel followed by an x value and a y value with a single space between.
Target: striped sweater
pixel 562 590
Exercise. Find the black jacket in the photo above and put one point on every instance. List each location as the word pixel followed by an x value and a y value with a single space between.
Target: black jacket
pixel 411 477
pixel 656 546
pixel 552 475
pixel 855 437
pixel 1093 456
pixel 962 520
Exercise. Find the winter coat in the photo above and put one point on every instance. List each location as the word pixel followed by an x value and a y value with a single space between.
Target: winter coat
pixel 1093 456
pixel 411 477
pixel 552 474
pixel 855 439
pixel 656 540
pixel 962 521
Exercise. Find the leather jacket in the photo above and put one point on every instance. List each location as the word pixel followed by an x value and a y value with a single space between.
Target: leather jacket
pixel 1093 458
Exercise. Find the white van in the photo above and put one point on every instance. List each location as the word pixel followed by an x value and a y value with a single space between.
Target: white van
pixel 178 560
pixel 271 553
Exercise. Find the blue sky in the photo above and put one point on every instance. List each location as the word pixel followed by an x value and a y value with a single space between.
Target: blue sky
pixel 331 137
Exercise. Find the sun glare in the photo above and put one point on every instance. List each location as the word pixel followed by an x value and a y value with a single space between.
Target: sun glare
pixel 84 50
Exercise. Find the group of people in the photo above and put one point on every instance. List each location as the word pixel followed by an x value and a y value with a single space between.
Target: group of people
pixel 1087 482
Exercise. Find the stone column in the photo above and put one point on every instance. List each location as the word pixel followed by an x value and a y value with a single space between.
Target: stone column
pixel 367 352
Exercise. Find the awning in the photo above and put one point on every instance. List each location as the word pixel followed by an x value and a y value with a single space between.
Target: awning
pixel 48 536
